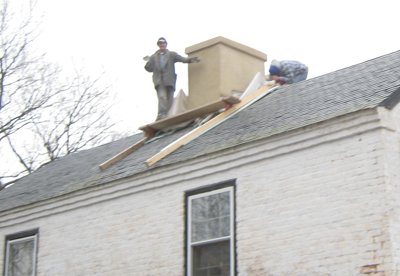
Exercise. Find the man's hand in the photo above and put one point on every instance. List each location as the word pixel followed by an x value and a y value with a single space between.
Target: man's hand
pixel 194 60
pixel 278 79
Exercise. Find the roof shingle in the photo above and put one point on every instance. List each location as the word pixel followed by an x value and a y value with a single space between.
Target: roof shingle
pixel 366 85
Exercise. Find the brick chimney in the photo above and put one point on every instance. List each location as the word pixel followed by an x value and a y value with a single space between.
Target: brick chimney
pixel 226 68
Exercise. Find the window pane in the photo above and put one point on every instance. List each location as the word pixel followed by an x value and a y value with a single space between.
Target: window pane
pixel 211 259
pixel 20 258
pixel 210 217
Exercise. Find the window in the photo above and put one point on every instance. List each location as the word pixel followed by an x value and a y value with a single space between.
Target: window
pixel 210 233
pixel 20 257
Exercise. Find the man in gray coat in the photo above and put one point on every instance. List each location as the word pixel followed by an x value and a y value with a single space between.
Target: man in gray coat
pixel 162 65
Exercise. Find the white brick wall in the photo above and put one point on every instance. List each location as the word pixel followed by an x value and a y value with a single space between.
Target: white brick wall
pixel 319 211
pixel 311 202
pixel 127 236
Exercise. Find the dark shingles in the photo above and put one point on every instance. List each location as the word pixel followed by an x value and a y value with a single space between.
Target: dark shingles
pixel 362 86
pixel 81 170
pixel 366 85
pixel 60 176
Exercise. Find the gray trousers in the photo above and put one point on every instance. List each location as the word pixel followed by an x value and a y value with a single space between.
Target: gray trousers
pixel 165 96
pixel 300 77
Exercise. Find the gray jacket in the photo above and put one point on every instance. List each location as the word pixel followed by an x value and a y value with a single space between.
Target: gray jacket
pixel 165 76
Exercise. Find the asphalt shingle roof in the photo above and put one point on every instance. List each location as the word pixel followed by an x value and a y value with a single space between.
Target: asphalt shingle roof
pixel 362 86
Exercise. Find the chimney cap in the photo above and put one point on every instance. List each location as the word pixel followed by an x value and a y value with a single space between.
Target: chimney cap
pixel 227 42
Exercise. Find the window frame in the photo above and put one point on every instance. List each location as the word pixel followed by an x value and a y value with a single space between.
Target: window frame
pixel 228 186
pixel 18 237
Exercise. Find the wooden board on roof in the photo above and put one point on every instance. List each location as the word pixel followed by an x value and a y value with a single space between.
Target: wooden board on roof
pixel 189 115
pixel 262 91
pixel 121 155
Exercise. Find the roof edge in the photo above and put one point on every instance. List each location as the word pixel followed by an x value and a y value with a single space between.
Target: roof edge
pixel 391 101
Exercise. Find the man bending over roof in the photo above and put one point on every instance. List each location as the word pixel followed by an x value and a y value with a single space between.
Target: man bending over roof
pixel 287 71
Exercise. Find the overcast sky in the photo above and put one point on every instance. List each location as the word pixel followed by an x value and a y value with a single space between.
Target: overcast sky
pixel 114 36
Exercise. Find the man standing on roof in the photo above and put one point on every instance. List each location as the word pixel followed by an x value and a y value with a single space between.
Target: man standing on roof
pixel 287 71
pixel 162 65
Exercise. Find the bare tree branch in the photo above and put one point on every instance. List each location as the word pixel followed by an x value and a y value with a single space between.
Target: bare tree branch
pixel 20 158
pixel 44 114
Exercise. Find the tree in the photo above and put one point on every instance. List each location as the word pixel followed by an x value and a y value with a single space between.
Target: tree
pixel 43 113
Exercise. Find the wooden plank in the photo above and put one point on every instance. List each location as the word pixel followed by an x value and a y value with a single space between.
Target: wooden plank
pixel 168 122
pixel 209 125
pixel 189 115
pixel 122 154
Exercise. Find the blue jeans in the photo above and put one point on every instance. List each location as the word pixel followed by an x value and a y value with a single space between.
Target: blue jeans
pixel 300 77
